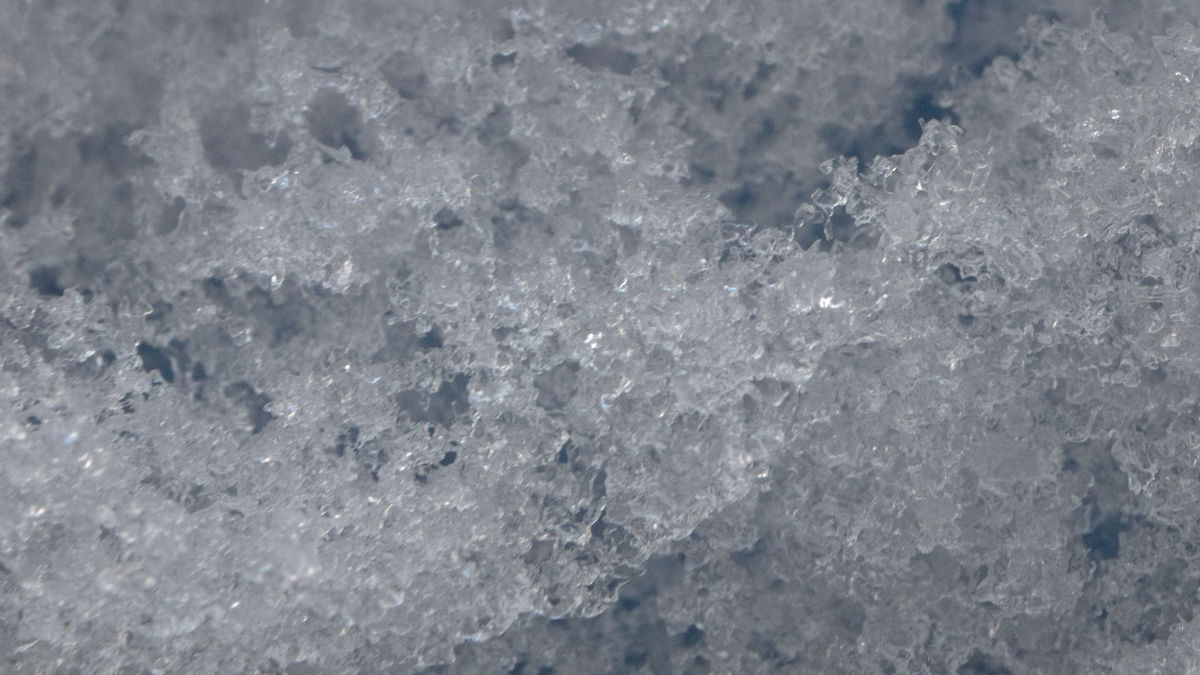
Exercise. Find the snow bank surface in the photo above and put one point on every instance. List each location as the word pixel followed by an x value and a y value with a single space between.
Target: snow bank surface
pixel 677 337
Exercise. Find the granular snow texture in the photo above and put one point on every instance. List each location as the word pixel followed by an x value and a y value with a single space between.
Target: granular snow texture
pixel 556 337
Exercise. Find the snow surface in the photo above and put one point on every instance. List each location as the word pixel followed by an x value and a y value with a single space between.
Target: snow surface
pixel 556 337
